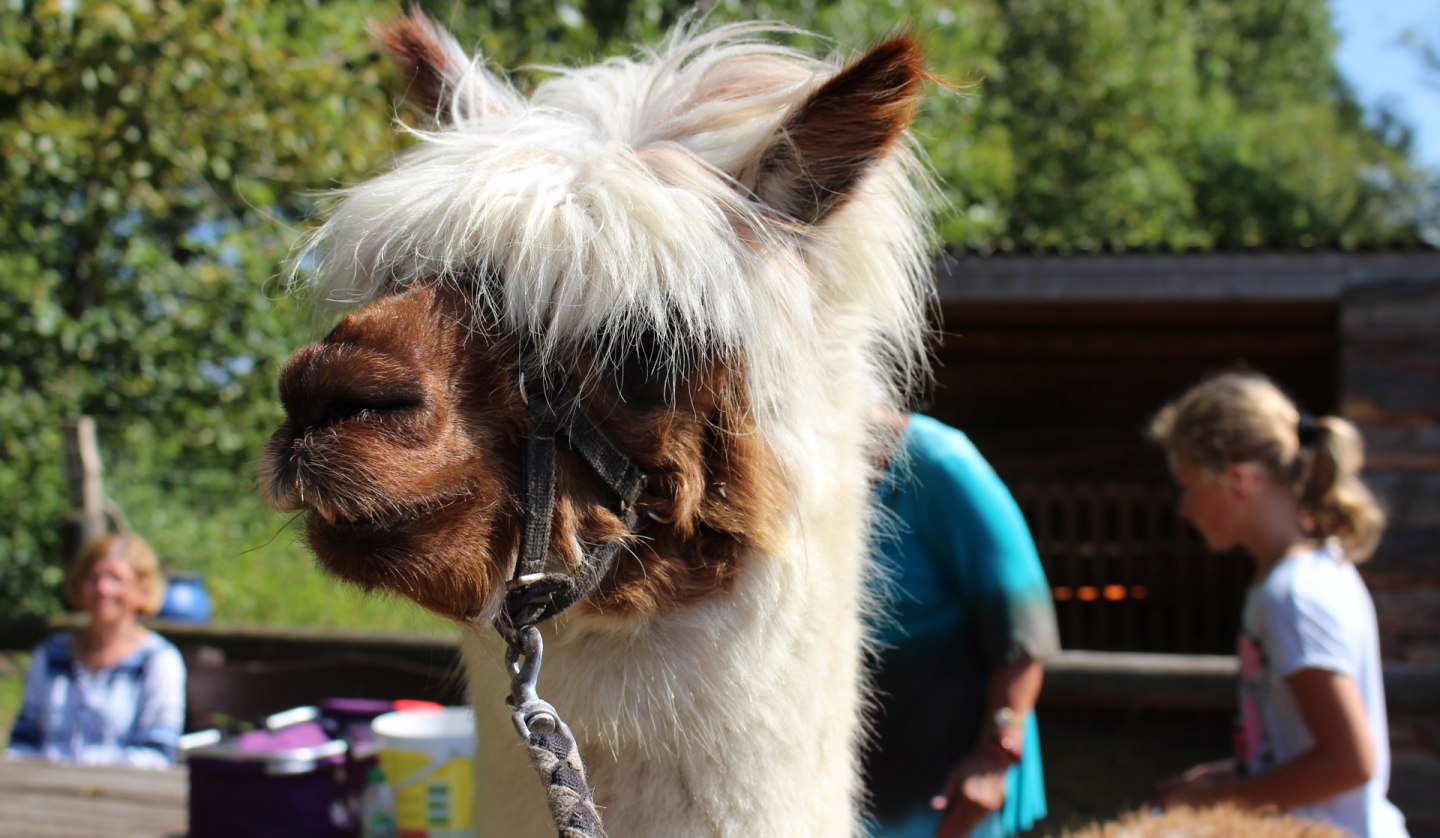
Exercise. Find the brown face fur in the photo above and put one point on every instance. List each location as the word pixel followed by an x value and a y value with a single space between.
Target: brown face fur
pixel 404 424
pixel 402 439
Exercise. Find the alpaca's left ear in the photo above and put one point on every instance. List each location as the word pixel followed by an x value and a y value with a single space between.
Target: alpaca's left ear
pixel 444 83
pixel 832 137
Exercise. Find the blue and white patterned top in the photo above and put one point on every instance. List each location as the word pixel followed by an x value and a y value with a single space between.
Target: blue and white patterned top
pixel 129 714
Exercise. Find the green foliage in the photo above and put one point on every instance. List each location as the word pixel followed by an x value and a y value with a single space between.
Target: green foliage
pixel 515 35
pixel 12 691
pixel 1089 124
pixel 158 157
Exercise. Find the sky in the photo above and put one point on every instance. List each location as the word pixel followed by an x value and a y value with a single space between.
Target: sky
pixel 1382 69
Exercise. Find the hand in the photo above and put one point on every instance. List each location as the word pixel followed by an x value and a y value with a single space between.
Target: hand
pixel 1203 785
pixel 974 789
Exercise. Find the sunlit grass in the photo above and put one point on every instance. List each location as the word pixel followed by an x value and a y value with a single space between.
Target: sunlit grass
pixel 12 690
pixel 257 569
pixel 278 584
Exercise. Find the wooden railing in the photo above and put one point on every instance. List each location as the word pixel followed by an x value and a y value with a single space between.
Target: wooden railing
pixel 1078 679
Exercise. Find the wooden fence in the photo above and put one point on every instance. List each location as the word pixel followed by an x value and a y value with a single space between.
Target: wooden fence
pixel 1127 574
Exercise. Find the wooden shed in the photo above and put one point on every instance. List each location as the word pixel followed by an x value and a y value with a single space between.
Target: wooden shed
pixel 1054 363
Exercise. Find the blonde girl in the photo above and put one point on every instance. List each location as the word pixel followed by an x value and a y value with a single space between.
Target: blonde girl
pixel 1257 473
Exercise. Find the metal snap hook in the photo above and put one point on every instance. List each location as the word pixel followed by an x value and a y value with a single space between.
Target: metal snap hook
pixel 522 660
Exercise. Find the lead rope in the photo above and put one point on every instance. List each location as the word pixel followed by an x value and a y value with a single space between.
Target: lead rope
pixel 553 752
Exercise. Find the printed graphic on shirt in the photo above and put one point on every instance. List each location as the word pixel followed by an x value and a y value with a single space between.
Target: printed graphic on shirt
pixel 1252 746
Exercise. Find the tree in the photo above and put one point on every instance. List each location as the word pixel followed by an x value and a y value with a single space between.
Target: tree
pixel 1426 47
pixel 156 159
pixel 1090 124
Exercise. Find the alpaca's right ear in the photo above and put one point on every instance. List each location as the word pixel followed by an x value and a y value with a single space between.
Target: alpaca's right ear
pixel 444 82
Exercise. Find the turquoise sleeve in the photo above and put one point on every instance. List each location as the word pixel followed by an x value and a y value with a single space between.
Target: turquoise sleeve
pixel 975 524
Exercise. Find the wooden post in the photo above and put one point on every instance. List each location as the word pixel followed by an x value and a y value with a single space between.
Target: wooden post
pixel 85 477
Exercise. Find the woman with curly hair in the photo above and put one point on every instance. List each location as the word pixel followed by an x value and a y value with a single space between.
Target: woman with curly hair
pixel 112 691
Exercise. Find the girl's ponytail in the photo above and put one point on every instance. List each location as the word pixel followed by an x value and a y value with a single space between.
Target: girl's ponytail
pixel 1329 489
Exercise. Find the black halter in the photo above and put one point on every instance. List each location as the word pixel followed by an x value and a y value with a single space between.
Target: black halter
pixel 536 593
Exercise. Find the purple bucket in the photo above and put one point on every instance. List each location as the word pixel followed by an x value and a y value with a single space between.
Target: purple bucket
pixel 349 719
pixel 300 777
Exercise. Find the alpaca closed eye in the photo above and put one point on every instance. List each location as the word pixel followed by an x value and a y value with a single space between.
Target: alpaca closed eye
pixel 342 409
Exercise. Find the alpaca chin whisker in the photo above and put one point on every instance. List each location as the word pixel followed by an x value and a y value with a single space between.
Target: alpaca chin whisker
pixel 271 540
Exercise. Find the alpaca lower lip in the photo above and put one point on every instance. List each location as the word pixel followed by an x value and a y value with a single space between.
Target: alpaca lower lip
pixel 356 539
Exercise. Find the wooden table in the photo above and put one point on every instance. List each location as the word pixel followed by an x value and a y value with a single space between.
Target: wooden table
pixel 49 800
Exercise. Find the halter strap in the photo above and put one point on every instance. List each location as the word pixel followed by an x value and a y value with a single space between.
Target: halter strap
pixel 536 594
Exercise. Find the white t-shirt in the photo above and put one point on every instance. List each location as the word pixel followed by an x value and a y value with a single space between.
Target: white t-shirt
pixel 1312 612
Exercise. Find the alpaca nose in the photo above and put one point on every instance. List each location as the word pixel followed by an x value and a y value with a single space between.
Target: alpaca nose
pixel 327 384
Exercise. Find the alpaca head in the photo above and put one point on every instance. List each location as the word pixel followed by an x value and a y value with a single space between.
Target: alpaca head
pixel 668 241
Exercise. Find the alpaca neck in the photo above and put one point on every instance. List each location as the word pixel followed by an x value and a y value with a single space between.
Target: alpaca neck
pixel 701 722
pixel 737 715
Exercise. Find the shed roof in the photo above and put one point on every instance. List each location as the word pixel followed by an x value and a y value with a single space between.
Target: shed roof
pixel 1174 276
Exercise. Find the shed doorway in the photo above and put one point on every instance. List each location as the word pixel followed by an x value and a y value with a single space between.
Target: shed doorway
pixel 1057 396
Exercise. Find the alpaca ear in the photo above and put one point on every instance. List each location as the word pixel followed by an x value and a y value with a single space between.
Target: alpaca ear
pixel 833 137
pixel 443 82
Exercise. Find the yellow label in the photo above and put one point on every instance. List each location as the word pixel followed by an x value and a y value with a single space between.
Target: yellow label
pixel 430 799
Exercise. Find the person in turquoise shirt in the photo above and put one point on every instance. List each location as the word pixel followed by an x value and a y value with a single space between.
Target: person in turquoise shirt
pixel 969 623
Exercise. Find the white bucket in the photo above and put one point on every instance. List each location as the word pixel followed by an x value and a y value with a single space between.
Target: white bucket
pixel 428 757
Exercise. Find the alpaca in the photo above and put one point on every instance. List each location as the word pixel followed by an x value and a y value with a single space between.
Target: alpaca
pixel 1224 821
pixel 718 253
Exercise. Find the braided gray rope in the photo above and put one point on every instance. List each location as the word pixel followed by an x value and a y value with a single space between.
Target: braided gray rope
pixel 557 760
pixel 553 752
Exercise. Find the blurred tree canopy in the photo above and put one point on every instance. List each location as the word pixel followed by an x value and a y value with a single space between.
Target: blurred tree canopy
pixel 158 157
pixel 1094 124
pixel 155 161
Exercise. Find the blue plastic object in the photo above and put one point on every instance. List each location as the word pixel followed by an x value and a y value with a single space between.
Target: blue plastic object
pixel 186 599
